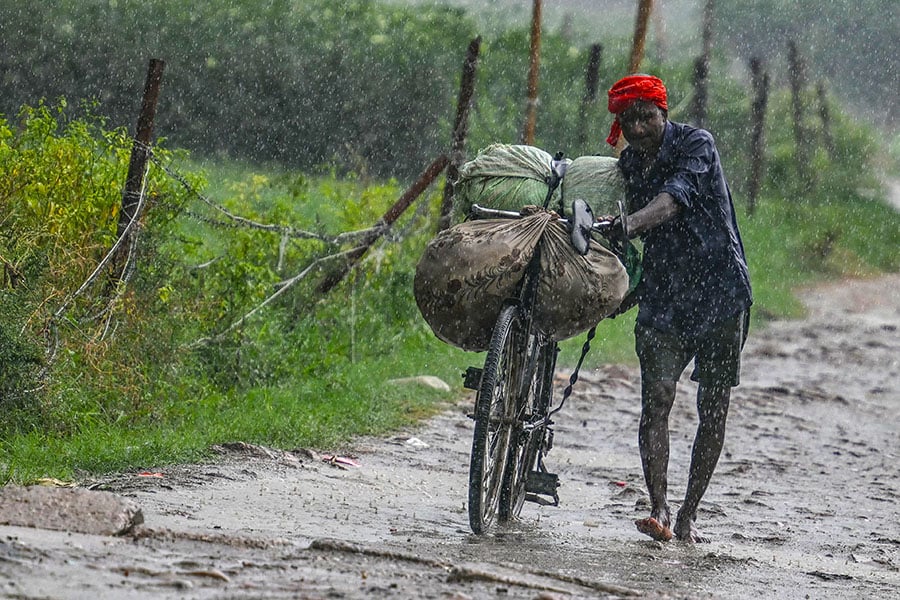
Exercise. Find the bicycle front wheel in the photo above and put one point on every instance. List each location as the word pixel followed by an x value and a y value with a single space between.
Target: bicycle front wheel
pixel 495 407
pixel 532 406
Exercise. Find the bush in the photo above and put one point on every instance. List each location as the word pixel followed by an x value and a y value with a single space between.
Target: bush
pixel 60 192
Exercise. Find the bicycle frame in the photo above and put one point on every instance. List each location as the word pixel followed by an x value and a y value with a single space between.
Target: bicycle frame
pixel 513 404
pixel 513 407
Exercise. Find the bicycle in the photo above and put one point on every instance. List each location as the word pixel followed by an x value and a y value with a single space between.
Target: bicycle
pixel 513 404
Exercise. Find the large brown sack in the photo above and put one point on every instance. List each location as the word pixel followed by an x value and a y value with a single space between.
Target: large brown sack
pixel 468 270
pixel 575 292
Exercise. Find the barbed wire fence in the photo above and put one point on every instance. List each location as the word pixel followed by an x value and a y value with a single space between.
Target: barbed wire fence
pixel 358 240
pixel 123 255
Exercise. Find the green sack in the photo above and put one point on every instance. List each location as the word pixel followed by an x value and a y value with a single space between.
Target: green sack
pixel 504 176
pixel 598 181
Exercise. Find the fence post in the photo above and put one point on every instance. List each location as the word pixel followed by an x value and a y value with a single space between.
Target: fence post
pixel 460 130
pixel 140 154
pixel 825 116
pixel 645 7
pixel 531 91
pixel 591 80
pixel 760 82
pixel 797 75
pixel 140 150
pixel 701 67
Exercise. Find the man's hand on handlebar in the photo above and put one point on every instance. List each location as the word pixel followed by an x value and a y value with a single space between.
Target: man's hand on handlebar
pixel 611 228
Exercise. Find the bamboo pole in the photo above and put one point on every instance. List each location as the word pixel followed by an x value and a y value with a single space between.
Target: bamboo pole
pixel 460 130
pixel 645 8
pixel 531 91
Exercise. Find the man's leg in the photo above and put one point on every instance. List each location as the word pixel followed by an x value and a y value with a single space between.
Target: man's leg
pixel 712 408
pixel 657 398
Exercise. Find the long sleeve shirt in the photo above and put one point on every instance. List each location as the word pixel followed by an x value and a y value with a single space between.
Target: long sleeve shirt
pixel 694 268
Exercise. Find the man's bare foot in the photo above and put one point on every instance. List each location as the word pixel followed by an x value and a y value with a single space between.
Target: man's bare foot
pixel 685 531
pixel 650 526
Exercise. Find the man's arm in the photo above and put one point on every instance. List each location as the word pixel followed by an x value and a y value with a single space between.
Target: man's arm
pixel 662 208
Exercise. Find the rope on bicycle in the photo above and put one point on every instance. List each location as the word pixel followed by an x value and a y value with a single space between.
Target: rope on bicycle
pixel 574 377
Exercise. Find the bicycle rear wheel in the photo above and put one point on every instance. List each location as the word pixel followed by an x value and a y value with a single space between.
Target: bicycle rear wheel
pixel 494 410
pixel 528 438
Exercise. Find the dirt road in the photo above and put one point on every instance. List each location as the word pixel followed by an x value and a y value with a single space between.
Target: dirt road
pixel 803 505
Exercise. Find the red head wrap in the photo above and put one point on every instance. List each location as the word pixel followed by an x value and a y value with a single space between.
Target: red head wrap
pixel 629 89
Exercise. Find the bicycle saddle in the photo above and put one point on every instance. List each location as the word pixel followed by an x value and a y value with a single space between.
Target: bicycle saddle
pixel 580 226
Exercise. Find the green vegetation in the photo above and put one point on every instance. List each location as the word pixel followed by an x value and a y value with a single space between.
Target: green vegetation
pixel 276 80
pixel 369 87
pixel 307 370
pixel 97 376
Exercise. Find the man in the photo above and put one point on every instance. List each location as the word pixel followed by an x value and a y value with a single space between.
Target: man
pixel 694 293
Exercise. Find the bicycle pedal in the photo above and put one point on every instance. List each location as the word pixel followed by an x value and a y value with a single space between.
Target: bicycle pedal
pixel 472 378
pixel 539 482
pixel 542 501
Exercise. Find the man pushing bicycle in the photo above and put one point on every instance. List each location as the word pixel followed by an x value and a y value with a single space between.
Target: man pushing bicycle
pixel 694 295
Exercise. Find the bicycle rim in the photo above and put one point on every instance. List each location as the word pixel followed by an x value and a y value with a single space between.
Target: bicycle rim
pixel 494 408
pixel 533 404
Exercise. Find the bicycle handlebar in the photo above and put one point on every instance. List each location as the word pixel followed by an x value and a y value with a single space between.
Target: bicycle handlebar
pixel 495 213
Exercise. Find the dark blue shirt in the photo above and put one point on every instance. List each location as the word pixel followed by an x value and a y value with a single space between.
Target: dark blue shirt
pixel 694 268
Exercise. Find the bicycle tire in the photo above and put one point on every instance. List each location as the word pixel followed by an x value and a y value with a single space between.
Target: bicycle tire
pixel 494 408
pixel 532 405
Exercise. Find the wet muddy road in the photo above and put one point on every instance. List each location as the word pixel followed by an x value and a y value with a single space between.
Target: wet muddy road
pixel 803 504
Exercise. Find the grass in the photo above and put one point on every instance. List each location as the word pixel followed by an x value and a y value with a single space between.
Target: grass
pixel 336 374
pixel 323 413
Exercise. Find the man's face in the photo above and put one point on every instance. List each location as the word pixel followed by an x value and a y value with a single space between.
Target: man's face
pixel 643 125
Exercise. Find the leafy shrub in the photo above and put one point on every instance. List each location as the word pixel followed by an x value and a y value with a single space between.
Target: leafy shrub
pixel 60 191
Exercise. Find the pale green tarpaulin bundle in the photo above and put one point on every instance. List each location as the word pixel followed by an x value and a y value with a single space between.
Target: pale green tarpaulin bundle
pixel 503 176
pixel 596 180
pixel 511 176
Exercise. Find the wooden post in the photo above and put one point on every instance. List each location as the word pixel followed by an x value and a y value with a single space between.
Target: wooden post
pixel 760 82
pixel 701 68
pixel 660 36
pixel 140 150
pixel 137 164
pixel 797 75
pixel 393 213
pixel 531 91
pixel 591 80
pixel 825 116
pixel 460 130
pixel 645 8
